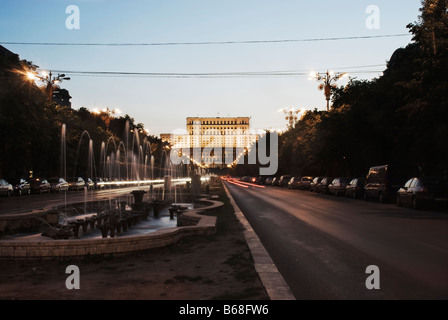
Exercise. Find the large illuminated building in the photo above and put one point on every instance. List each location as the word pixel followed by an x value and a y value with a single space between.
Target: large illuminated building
pixel 213 141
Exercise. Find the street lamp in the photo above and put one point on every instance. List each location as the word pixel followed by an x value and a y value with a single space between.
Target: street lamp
pixel 48 79
pixel 328 79
pixel 107 115
pixel 291 115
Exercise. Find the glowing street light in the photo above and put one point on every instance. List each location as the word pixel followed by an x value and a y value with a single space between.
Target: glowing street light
pixel 328 82
pixel 31 76
pixel 48 79
pixel 292 115
pixel 106 115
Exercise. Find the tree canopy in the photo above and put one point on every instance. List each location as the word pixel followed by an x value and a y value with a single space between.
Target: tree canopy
pixel 400 117
pixel 31 128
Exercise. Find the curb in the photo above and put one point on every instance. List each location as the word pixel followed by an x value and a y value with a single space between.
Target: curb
pixel 272 280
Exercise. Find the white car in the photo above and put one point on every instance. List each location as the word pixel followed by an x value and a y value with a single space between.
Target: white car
pixel 58 184
pixel 6 188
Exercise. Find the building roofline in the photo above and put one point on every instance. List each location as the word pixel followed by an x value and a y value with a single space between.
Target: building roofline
pixel 7 52
pixel 230 117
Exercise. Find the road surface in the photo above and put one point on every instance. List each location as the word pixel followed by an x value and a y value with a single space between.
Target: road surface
pixel 322 244
pixel 28 203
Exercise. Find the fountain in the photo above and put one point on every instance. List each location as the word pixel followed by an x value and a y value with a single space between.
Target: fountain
pixel 133 156
pixel 131 214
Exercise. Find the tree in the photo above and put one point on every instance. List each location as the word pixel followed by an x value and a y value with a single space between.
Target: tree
pixel 430 32
pixel 30 129
pixel 24 119
pixel 399 117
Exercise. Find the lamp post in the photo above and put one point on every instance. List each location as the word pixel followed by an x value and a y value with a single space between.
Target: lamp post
pixel 328 82
pixel 49 80
pixel 291 115
pixel 106 115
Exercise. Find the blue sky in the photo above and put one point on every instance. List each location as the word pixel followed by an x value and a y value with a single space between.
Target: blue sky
pixel 162 104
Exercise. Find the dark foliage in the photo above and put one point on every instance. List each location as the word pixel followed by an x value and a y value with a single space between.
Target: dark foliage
pixel 31 128
pixel 400 117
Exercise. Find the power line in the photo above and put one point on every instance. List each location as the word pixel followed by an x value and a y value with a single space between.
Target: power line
pixel 200 43
pixel 240 74
pixel 192 75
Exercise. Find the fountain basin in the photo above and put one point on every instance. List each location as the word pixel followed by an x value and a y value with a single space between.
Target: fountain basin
pixel 194 224
pixel 80 247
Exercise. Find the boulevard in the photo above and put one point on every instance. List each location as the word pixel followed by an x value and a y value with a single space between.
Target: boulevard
pixel 323 244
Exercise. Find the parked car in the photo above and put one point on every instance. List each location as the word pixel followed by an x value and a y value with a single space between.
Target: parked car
pixel 21 186
pixel 76 183
pixel 268 181
pixel 104 182
pixel 98 183
pixel 245 179
pixel 420 192
pixel 90 185
pixel 383 182
pixel 294 183
pixel 262 179
pixel 323 185
pixel 305 183
pixel 114 183
pixel 313 185
pixel 283 181
pixel 111 183
pixel 6 188
pixel 275 181
pixel 39 185
pixel 338 185
pixel 355 189
pixel 58 184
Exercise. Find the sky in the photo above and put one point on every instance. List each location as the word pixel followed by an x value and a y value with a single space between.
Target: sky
pixel 163 103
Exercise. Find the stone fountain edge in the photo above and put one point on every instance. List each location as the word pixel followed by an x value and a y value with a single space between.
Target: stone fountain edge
pixel 198 224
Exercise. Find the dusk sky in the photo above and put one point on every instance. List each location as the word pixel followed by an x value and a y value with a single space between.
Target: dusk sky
pixel 163 103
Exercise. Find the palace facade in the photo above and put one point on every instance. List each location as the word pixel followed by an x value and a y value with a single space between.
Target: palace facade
pixel 213 141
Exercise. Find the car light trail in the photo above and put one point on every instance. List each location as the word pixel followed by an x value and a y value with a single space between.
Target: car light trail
pixel 238 184
pixel 251 184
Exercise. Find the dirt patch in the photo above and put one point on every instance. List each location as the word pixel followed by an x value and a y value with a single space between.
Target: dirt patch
pixel 213 267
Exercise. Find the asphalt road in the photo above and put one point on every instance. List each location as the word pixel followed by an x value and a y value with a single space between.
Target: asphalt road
pixel 322 244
